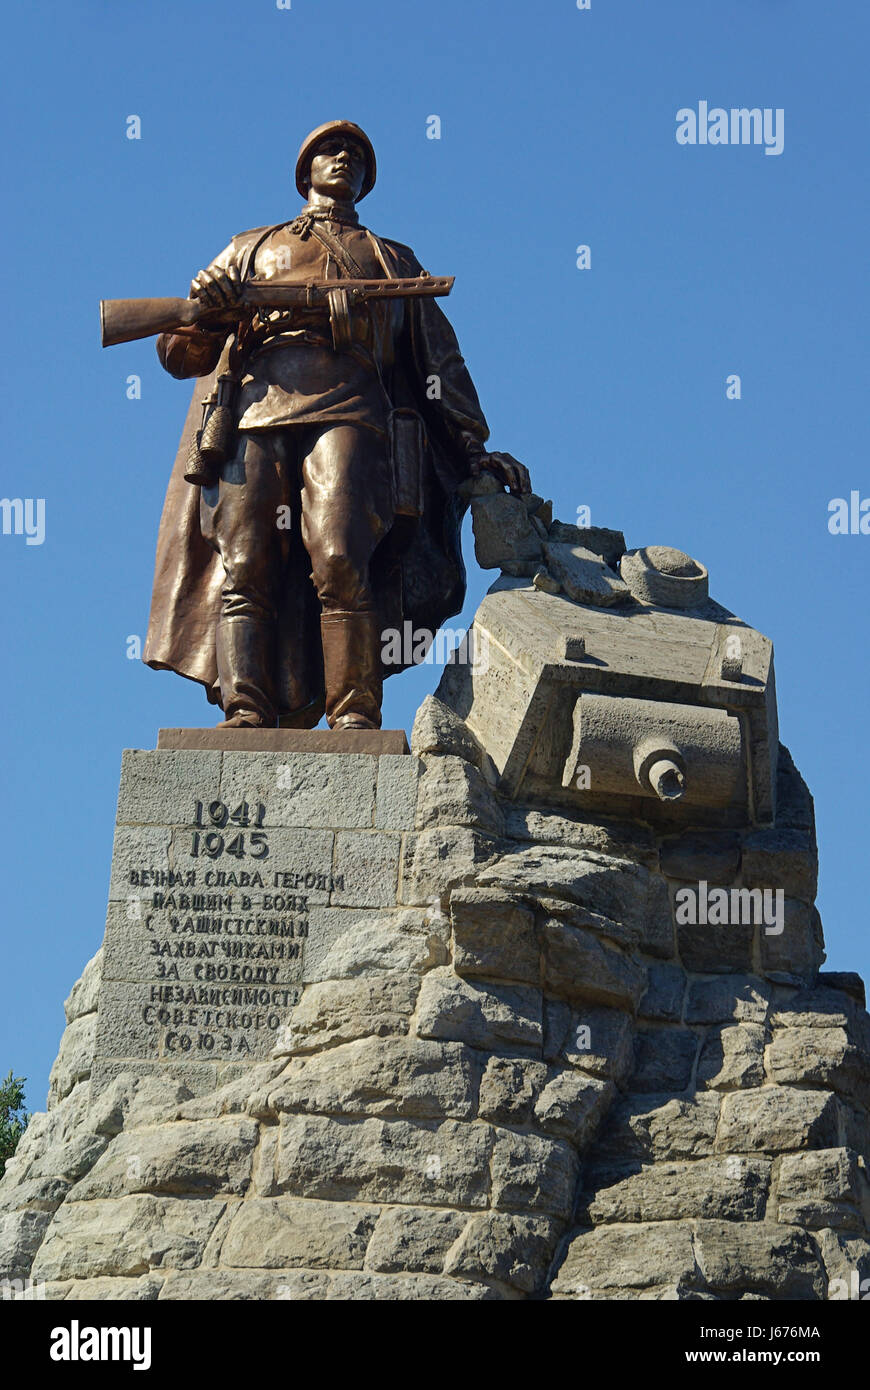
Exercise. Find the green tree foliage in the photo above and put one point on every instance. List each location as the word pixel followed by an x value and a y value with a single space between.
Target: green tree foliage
pixel 13 1117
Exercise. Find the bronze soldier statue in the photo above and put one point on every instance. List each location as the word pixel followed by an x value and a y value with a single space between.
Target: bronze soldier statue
pixel 332 510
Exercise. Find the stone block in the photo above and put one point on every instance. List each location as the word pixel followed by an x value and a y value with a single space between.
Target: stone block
pixel 356 939
pixel 140 1021
pixel 369 865
pixel 572 1106
pixel 197 1078
pixel 384 1161
pixel 42 1194
pixel 379 943
pixel 732 1058
pixel 794 805
pixel 734 1189
pixel 311 790
pixel 21 1234
pixel 711 856
pixel 244 1285
pixel 489 1016
pixel 824 1188
pixel 413 1239
pixel 664 1058
pixel 442 858
pixel 533 1174
pixel 758 1256
pixel 145 1289
pixel 384 1076
pixel 786 859
pixel 453 792
pixel 137 848
pixel 396 803
pixel 331 1012
pixel 147 947
pixel 494 936
pixel 404 1288
pixel 70 1158
pixel 437 729
pixel 741 998
pixel 710 949
pixel 75 1057
pixel 299 862
pixel 597 1040
pixel 85 992
pixel 618 889
pixel 515 1250
pixel 125 1237
pixel 579 967
pixel 660 1127
pixel 820 1057
pixel 846 1259
pixel 794 955
pixel 509 1089
pixel 612 932
pixel 657 935
pixel 663 997
pixel 776 1119
pixel 286 1233
pixel 161 788
pixel 626 1258
pixel 191 1158
pixel 619 839
pixel 845 980
pixel 822 1007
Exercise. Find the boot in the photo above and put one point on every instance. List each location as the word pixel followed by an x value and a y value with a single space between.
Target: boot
pixel 245 652
pixel 243 719
pixel 352 670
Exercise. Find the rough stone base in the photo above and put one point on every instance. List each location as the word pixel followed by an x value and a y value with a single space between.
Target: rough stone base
pixel 521 1080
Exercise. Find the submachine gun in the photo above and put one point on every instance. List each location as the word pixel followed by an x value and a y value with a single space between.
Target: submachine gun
pixel 127 320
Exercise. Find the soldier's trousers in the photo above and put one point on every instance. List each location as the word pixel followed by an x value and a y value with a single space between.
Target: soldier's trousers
pixel 330 486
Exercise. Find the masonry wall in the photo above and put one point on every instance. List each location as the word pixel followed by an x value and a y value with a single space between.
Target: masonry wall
pixel 509 1073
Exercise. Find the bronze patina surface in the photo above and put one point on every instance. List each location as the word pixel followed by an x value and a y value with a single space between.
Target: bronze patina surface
pixel 314 501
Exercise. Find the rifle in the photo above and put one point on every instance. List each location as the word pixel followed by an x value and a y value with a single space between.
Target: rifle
pixel 126 320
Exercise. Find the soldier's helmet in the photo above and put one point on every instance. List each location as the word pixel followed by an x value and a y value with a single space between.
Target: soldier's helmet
pixel 310 143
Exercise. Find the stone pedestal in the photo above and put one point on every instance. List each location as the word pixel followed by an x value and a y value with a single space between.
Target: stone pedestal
pixel 233 873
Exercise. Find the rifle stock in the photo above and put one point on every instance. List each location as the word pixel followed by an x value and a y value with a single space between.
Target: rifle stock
pixel 125 320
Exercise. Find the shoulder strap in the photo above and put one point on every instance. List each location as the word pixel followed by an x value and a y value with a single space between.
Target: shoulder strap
pixel 378 248
pixel 337 251
pixel 246 260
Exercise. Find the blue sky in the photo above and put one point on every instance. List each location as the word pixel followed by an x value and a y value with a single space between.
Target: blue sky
pixel 558 128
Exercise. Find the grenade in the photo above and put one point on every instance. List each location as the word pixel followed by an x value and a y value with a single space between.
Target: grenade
pixel 211 445
pixel 216 436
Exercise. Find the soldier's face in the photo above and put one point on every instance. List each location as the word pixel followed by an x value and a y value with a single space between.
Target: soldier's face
pixel 338 168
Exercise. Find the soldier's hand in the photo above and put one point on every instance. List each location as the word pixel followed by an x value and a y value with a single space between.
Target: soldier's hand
pixel 508 470
pixel 216 287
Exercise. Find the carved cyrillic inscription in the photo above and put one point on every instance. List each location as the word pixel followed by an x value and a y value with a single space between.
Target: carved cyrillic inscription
pixel 210 954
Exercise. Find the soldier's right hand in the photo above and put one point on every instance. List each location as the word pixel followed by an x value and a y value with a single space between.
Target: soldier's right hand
pixel 217 287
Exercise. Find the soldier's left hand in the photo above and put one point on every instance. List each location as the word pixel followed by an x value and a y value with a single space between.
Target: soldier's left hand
pixel 508 470
pixel 217 287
